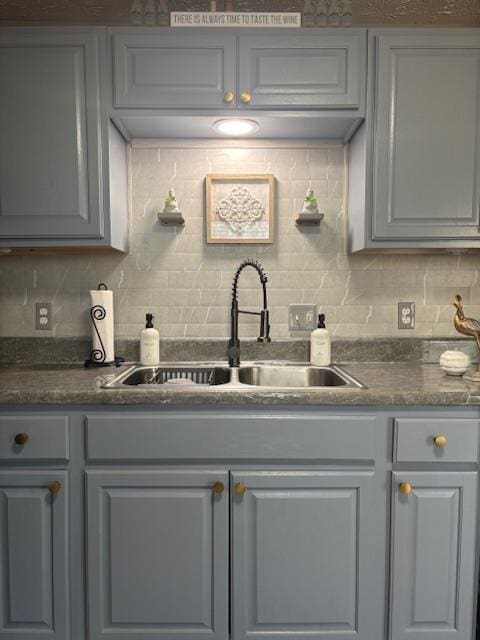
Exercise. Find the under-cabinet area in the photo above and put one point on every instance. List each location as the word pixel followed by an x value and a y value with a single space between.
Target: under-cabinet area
pixel 331 522
pixel 405 102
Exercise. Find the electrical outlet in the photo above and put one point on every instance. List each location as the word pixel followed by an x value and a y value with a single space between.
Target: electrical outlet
pixel 43 316
pixel 302 317
pixel 406 315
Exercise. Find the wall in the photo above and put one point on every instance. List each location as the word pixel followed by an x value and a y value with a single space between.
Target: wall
pixel 364 12
pixel 186 283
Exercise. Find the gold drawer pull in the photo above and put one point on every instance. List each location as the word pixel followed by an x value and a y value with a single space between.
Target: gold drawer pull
pixel 229 96
pixel 405 488
pixel 246 97
pixel 240 489
pixel 440 441
pixel 54 487
pixel 21 438
pixel 219 487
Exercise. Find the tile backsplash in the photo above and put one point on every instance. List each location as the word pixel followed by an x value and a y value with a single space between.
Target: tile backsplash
pixel 186 283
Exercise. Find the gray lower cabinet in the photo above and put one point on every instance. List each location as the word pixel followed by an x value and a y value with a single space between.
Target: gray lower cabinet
pixel 157 554
pixel 34 573
pixel 62 164
pixel 302 549
pixel 433 551
pixel 415 172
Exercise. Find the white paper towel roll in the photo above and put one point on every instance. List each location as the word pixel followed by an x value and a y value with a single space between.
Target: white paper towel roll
pixel 101 314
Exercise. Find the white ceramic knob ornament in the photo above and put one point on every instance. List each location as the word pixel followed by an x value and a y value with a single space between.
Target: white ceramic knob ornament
pixel 455 363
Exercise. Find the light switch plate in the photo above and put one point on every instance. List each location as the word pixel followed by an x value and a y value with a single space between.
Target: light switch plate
pixel 302 317
pixel 43 316
pixel 406 315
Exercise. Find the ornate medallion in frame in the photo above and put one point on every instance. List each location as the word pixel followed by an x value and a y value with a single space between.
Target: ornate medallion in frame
pixel 240 208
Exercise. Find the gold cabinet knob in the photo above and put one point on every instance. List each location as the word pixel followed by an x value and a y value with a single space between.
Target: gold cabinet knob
pixel 21 438
pixel 228 96
pixel 440 441
pixel 246 97
pixel 219 487
pixel 405 488
pixel 54 487
pixel 240 489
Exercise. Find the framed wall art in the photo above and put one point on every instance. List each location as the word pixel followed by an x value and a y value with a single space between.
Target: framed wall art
pixel 240 208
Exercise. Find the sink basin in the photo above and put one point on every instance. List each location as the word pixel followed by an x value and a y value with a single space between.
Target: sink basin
pixel 172 376
pixel 269 376
pixel 287 376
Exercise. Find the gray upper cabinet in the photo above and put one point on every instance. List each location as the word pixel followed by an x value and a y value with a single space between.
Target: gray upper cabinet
pixel 157 555
pixel 427 147
pixel 325 70
pixel 415 165
pixel 302 555
pixel 192 69
pixel 56 154
pixel 165 69
pixel 34 580
pixel 433 546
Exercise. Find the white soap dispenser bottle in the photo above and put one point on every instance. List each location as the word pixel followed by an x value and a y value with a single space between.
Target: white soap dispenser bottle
pixel 320 345
pixel 149 344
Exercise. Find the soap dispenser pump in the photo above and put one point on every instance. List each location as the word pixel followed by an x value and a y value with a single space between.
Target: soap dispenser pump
pixel 320 344
pixel 149 344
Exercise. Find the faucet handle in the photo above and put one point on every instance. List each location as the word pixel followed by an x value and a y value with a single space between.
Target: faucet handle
pixel 264 327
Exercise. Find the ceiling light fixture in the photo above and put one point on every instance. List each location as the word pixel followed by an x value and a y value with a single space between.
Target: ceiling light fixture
pixel 235 126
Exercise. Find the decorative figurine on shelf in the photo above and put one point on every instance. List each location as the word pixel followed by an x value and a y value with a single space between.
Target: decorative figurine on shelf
pixel 310 204
pixel 171 214
pixel 308 15
pixel 321 13
pixel 336 11
pixel 468 327
pixel 213 6
pixel 163 15
pixel 150 14
pixel 136 12
pixel 310 214
pixel 346 17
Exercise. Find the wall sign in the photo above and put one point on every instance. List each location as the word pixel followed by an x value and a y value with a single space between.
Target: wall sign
pixel 234 19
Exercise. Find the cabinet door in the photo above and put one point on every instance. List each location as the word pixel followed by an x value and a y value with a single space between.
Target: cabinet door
pixel 180 70
pixel 33 561
pixel 302 555
pixel 427 137
pixel 50 133
pixel 304 71
pixel 157 555
pixel 433 556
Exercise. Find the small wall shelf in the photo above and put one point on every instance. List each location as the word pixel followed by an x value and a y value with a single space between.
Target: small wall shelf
pixel 171 219
pixel 309 219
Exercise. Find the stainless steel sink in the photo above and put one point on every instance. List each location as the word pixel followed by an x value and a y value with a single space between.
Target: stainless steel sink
pixel 293 376
pixel 181 376
pixel 260 375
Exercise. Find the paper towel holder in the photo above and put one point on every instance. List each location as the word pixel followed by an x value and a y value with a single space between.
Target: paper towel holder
pixel 97 356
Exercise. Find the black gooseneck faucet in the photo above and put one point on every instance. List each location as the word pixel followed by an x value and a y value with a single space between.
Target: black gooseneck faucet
pixel 234 342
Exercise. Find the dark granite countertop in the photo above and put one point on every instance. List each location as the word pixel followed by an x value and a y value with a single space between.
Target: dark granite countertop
pixel 387 384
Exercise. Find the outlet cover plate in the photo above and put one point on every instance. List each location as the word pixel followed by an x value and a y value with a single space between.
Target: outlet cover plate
pixel 43 316
pixel 302 317
pixel 406 315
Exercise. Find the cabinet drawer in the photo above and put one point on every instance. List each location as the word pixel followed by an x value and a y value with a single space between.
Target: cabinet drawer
pixel 415 440
pixel 44 438
pixel 229 437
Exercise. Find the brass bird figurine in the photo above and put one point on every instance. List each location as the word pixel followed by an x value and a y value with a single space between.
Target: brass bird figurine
pixel 468 327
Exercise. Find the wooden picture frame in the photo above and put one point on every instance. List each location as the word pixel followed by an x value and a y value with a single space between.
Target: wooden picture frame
pixel 240 208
